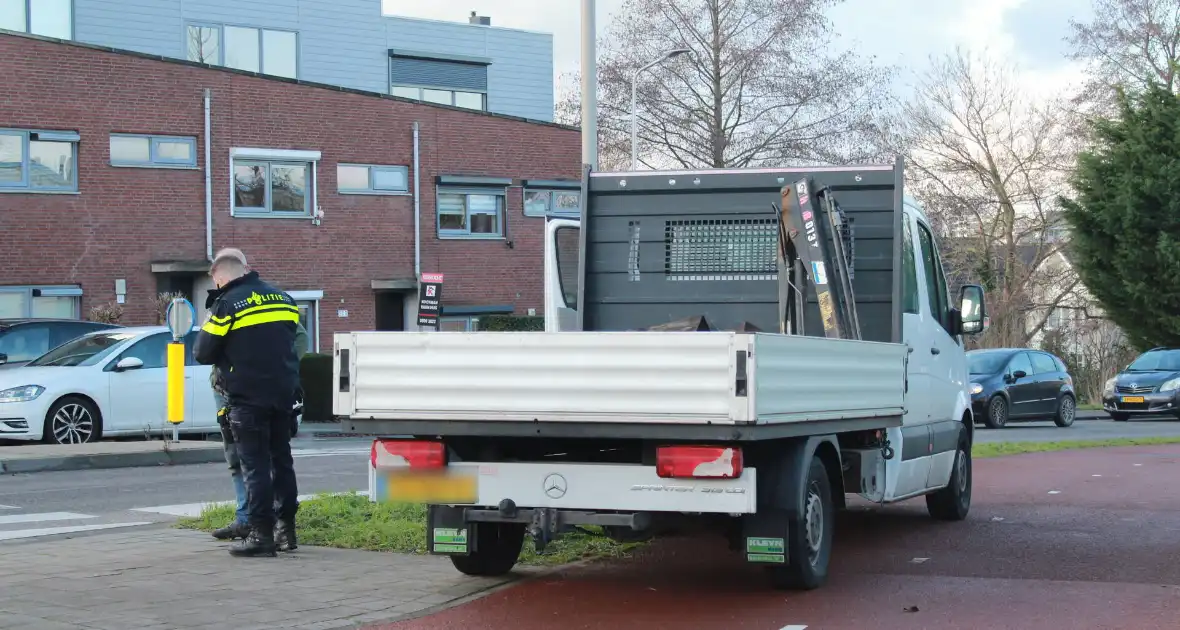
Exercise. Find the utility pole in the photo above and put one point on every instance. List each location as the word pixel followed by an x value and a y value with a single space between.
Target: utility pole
pixel 589 87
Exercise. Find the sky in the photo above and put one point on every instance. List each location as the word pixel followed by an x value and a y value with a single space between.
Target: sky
pixel 1028 33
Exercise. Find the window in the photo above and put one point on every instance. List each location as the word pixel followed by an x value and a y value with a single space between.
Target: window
pixel 541 202
pixel 273 182
pixel 309 315
pixel 466 100
pixel 568 245
pixel 153 151
pixel 359 179
pixel 1058 318
pixel 48 18
pixel 24 343
pixel 1020 362
pixel 459 324
pixel 151 350
pixel 1042 363
pixel 909 272
pixel 38 161
pixel 470 213
pixel 53 302
pixel 244 48
pixel 935 283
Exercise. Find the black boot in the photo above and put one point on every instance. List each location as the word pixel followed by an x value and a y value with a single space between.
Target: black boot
pixel 260 543
pixel 285 536
pixel 232 531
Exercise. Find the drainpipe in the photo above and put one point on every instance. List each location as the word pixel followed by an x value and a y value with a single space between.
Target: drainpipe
pixel 417 211
pixel 208 182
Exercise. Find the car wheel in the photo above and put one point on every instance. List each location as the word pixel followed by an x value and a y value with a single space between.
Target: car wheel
pixel 72 420
pixel 997 413
pixel 1067 410
pixel 1119 417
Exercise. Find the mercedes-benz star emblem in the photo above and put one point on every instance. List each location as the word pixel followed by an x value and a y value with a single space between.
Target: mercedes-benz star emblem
pixel 554 486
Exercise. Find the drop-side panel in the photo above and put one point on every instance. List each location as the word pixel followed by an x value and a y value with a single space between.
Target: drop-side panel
pixel 661 246
pixel 681 378
pixel 800 378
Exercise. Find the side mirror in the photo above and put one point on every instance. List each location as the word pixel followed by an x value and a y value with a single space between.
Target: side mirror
pixel 3 358
pixel 1019 374
pixel 972 310
pixel 128 363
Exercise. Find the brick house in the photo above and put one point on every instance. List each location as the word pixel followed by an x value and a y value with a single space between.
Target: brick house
pixel 103 190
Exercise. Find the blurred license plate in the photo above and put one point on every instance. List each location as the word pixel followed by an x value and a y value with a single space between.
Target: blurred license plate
pixel 1132 399
pixel 431 487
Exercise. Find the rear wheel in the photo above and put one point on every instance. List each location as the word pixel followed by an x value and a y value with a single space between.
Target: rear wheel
pixel 1066 411
pixel 1119 417
pixel 497 548
pixel 809 535
pixel 953 502
pixel 997 413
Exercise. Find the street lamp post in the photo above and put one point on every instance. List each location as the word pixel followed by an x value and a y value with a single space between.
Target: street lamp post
pixel 676 52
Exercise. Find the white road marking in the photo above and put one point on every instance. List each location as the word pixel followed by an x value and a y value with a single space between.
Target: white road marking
pixel 794 627
pixel 1054 492
pixel 918 560
pixel 40 518
pixel 193 510
pixel 1095 475
pixel 50 531
pixel 9 507
pixel 333 452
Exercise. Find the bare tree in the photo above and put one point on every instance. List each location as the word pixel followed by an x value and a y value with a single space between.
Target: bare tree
pixel 763 84
pixel 1093 348
pixel 1126 44
pixel 988 164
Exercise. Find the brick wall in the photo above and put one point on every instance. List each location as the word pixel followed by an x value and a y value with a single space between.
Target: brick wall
pixel 125 218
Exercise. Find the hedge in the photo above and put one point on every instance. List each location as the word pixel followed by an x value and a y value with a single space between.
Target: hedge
pixel 511 323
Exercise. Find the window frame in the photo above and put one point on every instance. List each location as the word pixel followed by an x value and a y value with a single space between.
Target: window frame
pixel 312 299
pixel 439 88
pixel 220 28
pixel 73 138
pixel 275 157
pixel 1032 358
pixel 372 189
pixel 29 20
pixel 50 290
pixel 938 300
pixel 470 322
pixel 909 270
pixel 154 140
pixel 467 191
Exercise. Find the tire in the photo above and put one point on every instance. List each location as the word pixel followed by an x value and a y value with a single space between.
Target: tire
pixel 1067 410
pixel 953 502
pixel 497 548
pixel 1119 417
pixel 997 413
pixel 809 536
pixel 72 420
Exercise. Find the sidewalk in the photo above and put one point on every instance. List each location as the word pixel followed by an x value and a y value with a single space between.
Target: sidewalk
pixel 157 579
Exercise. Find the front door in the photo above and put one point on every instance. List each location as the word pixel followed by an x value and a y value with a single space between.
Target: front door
pixel 1049 382
pixel 1023 394
pixel 912 439
pixel 391 310
pixel 139 397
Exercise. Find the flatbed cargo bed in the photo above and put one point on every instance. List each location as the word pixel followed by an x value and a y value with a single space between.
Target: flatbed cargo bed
pixel 693 385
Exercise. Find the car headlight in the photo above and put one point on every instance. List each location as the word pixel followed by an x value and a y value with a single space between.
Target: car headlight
pixel 976 388
pixel 24 393
pixel 1171 385
pixel 1108 388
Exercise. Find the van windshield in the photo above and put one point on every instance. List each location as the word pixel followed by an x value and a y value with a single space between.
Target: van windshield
pixel 87 350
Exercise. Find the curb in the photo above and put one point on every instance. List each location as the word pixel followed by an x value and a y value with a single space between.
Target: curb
pixel 161 457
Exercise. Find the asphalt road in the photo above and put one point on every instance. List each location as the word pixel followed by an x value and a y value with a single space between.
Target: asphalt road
pixel 1091 426
pixel 1082 539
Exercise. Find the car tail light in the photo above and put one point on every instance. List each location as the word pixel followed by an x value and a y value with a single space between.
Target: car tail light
pixel 700 462
pixel 412 453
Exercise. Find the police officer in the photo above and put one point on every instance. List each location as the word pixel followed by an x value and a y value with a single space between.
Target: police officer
pixel 249 336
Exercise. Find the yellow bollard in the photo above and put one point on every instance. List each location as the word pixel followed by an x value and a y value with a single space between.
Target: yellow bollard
pixel 176 383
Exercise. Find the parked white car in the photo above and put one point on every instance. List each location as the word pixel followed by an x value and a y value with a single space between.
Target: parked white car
pixel 104 384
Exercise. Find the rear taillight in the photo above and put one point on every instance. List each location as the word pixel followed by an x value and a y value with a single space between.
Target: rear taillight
pixel 685 462
pixel 412 453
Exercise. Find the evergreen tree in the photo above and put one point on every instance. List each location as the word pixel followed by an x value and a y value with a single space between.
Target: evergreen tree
pixel 1126 216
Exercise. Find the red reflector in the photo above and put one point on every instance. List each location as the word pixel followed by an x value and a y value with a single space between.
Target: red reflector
pixel 682 462
pixel 412 453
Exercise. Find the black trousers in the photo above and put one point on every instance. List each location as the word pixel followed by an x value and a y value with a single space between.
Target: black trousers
pixel 263 437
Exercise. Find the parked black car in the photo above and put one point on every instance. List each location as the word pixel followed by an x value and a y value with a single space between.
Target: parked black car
pixel 22 340
pixel 1150 386
pixel 1020 384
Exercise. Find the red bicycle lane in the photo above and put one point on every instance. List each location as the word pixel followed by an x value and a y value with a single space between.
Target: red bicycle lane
pixel 1077 539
